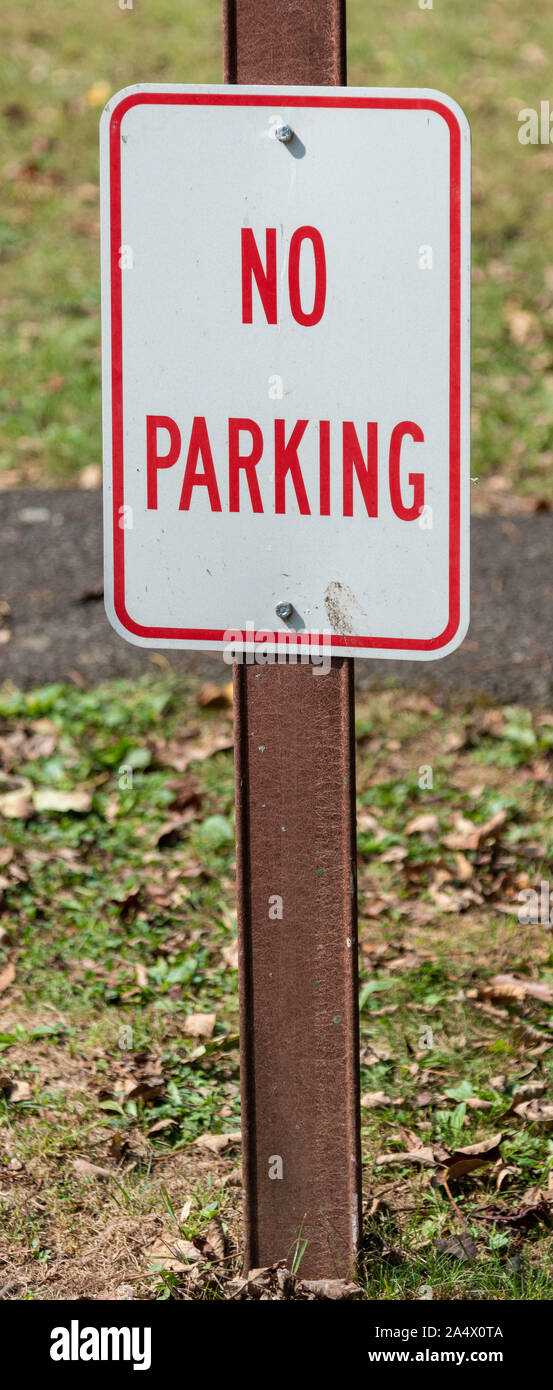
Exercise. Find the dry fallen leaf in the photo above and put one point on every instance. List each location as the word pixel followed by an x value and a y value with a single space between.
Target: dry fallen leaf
pixel 174 1252
pixel 524 328
pixel 467 1159
pixel 7 976
pixel 47 799
pixel 503 1176
pixel 215 696
pixel 372 1100
pixel 16 805
pixel 464 868
pixel 14 1090
pixel 215 1143
pixel 214 1243
pixel 160 1125
pixel 423 1156
pixel 145 1088
pixel 425 824
pixel 180 754
pixel 532 1090
pixel 84 1169
pixel 368 823
pixel 535 1207
pixel 230 955
pixel 199 1025
pixel 510 987
pixel 394 855
pixel 331 1288
pixel 538 1112
pixel 460 1247
pixel 467 835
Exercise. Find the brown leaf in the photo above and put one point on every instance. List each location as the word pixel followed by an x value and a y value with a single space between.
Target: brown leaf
pixel 118 1146
pixel 199 1025
pixel 531 1090
pixel 214 1243
pixel 460 1247
pixel 187 792
pixel 174 1252
pixel 447 902
pixel 260 1280
pixel 538 1112
pixel 368 823
pixel 14 1090
pixel 425 824
pixel 48 799
pixel 331 1288
pixel 17 805
pixel 215 696
pixel 215 1143
pixel 146 1088
pixel 504 1175
pixel 512 988
pixel 7 976
pixel 173 830
pixel 84 1169
pixel 535 1207
pixel 524 328
pixel 426 1098
pixel 464 868
pixel 409 961
pixel 424 1157
pixel 469 836
pixel 374 1100
pixel 180 756
pixel 466 1160
pixel 160 1125
pixel 394 855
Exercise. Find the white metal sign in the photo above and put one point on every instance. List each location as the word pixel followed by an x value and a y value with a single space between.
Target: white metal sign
pixel 286 340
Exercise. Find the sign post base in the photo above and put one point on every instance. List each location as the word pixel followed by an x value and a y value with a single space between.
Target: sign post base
pixel 295 802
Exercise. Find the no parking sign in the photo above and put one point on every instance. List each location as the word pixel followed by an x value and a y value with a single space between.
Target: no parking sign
pixel 286 339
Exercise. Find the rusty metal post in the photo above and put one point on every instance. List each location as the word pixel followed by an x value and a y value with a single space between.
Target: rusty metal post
pixel 296 859
pixel 298 42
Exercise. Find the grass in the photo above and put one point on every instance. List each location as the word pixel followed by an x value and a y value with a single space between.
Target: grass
pixel 58 66
pixel 117 926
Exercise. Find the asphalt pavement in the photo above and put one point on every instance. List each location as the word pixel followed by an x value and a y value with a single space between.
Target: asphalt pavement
pixel 51 579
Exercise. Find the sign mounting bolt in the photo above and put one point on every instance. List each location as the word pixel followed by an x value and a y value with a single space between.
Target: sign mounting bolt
pixel 284 133
pixel 284 610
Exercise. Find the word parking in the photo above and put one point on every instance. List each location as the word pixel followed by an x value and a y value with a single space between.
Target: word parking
pixel 278 461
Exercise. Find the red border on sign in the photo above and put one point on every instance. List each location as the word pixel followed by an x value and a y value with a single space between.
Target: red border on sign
pixel 288 98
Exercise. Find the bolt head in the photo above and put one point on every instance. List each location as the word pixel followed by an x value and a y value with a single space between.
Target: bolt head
pixel 284 133
pixel 284 610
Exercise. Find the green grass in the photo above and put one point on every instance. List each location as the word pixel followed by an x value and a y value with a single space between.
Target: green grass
pixel 60 62
pixel 117 934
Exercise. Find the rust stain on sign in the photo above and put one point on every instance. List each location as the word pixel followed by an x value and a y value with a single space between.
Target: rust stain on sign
pixel 344 613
